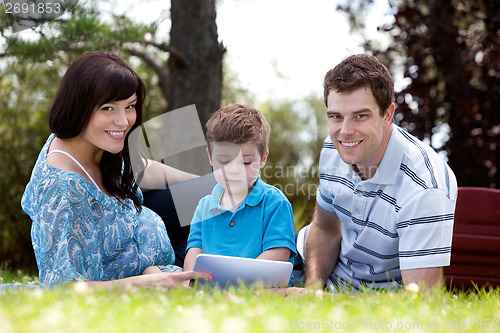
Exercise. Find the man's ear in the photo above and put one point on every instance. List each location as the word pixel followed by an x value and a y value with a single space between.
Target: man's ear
pixel 209 157
pixel 264 159
pixel 389 114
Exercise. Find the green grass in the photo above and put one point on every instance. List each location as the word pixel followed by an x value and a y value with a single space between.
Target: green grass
pixel 74 309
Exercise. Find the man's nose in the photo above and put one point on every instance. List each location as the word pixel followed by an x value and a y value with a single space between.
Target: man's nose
pixel 347 127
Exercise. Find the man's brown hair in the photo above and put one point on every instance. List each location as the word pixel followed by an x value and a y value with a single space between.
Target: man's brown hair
pixel 359 71
pixel 238 123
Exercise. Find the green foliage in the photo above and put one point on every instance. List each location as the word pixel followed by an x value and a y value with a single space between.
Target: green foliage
pixel 298 129
pixel 24 89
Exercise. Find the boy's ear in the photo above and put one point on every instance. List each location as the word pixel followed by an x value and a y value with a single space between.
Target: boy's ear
pixel 264 159
pixel 209 157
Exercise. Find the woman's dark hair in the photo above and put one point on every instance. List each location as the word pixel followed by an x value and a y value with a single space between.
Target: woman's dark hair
pixel 92 80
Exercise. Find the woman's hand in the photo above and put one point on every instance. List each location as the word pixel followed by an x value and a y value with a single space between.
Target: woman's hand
pixel 174 280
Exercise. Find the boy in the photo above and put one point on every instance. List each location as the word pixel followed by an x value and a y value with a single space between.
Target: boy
pixel 243 217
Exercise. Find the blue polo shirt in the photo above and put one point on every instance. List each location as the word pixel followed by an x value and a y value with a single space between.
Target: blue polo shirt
pixel 264 220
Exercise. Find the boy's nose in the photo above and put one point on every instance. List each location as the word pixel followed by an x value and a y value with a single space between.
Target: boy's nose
pixel 233 168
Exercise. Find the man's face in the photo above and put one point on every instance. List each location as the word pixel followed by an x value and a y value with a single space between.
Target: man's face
pixel 356 127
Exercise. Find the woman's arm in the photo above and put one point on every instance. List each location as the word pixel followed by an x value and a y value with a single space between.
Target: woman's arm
pixel 162 280
pixel 158 175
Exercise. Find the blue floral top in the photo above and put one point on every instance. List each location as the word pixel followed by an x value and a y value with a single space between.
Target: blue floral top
pixel 80 233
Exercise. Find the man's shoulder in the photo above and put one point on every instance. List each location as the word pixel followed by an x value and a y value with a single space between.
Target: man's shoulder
pixel 422 166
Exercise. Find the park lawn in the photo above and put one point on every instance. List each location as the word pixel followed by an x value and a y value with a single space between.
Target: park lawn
pixel 77 309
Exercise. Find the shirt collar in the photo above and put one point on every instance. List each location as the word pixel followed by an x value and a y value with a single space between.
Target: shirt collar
pixel 253 199
pixel 388 169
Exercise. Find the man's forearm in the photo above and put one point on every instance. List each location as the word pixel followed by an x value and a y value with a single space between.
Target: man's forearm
pixel 322 252
pixel 427 279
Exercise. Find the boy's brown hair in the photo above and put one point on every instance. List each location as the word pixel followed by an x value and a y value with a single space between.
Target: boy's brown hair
pixel 238 123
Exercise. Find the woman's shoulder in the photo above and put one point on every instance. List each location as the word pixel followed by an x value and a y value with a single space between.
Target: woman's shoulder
pixel 49 185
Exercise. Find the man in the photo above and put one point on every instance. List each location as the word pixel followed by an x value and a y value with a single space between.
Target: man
pixel 386 200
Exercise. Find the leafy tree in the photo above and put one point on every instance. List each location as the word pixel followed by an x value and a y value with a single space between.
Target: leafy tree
pixel 450 54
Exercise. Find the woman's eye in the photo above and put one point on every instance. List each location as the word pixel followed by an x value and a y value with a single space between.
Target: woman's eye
pixel 131 107
pixel 107 108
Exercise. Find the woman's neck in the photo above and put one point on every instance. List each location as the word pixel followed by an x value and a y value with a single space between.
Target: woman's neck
pixel 80 149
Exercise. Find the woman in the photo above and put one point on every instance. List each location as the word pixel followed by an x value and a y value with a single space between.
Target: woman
pixel 88 221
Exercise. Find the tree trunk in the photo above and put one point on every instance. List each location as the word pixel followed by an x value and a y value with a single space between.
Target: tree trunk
pixel 196 77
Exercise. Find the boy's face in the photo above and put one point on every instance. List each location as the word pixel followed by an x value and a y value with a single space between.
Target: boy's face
pixel 236 166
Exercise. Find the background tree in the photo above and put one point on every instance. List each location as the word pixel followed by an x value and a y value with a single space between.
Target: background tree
pixel 449 51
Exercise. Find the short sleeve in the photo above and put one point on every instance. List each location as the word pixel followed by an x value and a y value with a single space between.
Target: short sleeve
pixel 425 228
pixel 324 198
pixel 279 221
pixel 328 170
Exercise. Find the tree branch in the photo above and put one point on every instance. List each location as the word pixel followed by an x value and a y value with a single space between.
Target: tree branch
pixel 172 50
pixel 155 63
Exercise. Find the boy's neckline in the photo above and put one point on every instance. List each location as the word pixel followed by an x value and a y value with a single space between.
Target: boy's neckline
pixel 234 205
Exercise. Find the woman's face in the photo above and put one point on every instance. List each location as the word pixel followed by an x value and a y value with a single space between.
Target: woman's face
pixel 110 123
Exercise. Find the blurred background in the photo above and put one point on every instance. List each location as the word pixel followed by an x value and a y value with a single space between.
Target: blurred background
pixel 272 54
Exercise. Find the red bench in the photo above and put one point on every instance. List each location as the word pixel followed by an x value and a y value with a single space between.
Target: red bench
pixel 475 250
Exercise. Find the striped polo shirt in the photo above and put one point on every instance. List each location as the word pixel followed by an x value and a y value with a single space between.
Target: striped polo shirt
pixel 400 219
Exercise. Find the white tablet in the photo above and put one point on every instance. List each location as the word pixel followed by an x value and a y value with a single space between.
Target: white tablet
pixel 226 270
